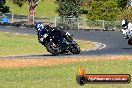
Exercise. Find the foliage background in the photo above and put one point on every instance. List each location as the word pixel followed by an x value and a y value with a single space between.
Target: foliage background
pixel 109 10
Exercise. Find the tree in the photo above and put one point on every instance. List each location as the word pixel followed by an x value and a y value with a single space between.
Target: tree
pixel 73 8
pixel 3 8
pixel 86 5
pixel 69 8
pixel 21 2
pixel 104 10
pixel 123 3
pixel 32 5
pixel 2 3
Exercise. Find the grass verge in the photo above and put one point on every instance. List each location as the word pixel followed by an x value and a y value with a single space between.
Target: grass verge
pixel 63 75
pixel 18 44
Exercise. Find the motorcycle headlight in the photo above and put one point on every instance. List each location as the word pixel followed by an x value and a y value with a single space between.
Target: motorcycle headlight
pixel 45 35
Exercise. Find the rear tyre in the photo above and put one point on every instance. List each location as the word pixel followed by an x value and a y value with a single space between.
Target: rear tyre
pixel 130 41
pixel 52 48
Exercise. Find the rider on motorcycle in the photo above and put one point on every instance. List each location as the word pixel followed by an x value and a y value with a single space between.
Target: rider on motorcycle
pixel 44 29
pixel 126 28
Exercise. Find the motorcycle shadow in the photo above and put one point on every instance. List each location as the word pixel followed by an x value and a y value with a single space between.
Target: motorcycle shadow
pixel 50 55
pixel 127 48
pixel 36 56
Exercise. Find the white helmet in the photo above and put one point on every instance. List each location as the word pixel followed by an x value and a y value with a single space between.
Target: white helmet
pixel 125 24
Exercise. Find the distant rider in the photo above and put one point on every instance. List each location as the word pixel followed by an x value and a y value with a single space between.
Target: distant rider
pixel 126 28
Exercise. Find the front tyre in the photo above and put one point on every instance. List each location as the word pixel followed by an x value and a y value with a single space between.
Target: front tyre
pixel 52 48
pixel 75 49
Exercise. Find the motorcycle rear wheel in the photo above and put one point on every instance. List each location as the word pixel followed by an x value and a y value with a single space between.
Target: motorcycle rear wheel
pixel 130 41
pixel 52 48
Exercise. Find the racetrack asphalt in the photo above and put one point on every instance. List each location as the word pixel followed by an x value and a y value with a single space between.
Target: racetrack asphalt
pixel 114 41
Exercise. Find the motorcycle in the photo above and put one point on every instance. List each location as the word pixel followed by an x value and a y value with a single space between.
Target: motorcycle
pixel 127 35
pixel 53 40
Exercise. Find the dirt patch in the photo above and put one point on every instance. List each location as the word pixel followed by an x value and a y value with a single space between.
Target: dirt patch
pixel 55 61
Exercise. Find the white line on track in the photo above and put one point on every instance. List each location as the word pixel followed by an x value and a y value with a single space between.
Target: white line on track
pixel 98 46
pixel 17 33
pixel 6 32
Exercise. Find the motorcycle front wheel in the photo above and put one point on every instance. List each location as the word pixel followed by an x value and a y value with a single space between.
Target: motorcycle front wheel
pixel 75 49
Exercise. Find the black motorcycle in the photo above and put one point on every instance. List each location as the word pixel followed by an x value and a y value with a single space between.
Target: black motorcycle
pixel 53 40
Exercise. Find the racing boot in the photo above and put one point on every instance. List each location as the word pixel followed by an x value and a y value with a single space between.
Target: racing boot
pixel 126 37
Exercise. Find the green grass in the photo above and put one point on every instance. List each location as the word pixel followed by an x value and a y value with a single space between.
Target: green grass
pixel 16 44
pixel 63 76
pixel 13 44
pixel 45 8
